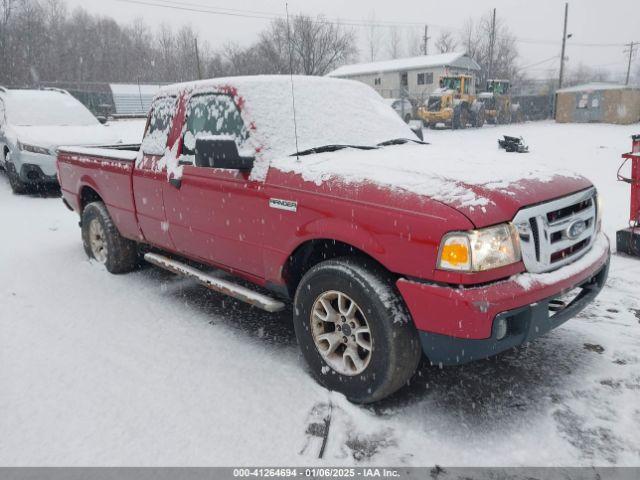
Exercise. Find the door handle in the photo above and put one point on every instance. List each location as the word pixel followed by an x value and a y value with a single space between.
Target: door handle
pixel 176 182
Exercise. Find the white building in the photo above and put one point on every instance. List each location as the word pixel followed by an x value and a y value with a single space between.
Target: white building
pixel 418 76
pixel 133 99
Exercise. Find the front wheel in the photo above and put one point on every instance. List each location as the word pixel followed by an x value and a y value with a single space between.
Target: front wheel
pixel 17 185
pixel 103 242
pixel 354 330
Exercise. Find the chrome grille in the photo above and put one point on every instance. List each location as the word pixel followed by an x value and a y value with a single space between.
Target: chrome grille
pixel 555 233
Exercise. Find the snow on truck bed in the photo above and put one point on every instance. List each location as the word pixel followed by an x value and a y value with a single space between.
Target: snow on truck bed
pixel 103 152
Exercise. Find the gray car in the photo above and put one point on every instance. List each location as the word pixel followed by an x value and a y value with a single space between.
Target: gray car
pixel 402 106
pixel 33 124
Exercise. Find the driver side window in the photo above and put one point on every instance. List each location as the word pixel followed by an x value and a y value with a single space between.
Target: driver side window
pixel 212 114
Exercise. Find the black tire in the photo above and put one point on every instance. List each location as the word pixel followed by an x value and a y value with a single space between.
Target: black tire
pixel 120 254
pixel 455 120
pixel 407 118
pixel 479 117
pixel 460 117
pixel 395 347
pixel 17 185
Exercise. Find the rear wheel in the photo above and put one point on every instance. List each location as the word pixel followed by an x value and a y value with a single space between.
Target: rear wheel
pixel 479 116
pixel 354 330
pixel 103 242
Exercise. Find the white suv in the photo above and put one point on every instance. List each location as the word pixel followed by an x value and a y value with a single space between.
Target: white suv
pixel 33 124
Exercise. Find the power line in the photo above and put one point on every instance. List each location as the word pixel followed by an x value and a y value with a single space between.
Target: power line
pixel 264 15
pixel 554 57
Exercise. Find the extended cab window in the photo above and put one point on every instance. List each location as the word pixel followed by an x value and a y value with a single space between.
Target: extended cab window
pixel 162 113
pixel 215 114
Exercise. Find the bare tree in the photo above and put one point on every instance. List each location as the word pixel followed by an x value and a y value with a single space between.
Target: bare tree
pixel 414 42
pixel 395 43
pixel 476 39
pixel 316 46
pixel 446 42
pixel 584 74
pixel 374 37
pixel 40 41
pixel 468 38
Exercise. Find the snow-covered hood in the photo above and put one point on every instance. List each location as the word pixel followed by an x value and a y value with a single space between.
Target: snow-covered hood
pixel 52 137
pixel 488 187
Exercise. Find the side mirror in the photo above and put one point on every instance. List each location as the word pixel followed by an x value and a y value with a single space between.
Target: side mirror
pixel 102 119
pixel 221 152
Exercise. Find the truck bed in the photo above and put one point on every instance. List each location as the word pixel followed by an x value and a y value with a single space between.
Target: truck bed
pixel 86 173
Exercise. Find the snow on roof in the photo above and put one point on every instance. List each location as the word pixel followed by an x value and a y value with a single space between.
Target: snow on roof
pixel 587 87
pixel 29 107
pixel 459 59
pixel 132 98
pixel 328 111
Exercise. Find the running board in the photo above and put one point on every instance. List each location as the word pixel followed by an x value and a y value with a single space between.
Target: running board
pixel 217 284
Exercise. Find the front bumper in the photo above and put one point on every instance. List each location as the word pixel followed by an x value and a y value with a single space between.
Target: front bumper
pixel 30 173
pixel 35 167
pixel 459 325
pixel 440 116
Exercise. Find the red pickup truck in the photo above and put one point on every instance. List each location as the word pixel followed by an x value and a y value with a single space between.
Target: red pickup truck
pixel 389 248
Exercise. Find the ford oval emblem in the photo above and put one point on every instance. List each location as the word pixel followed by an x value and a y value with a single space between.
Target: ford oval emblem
pixel 576 229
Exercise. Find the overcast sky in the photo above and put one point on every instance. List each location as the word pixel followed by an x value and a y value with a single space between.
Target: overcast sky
pixel 536 23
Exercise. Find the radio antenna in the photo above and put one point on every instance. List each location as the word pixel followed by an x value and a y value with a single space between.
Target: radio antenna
pixel 293 94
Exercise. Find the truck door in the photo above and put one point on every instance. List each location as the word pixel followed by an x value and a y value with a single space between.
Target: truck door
pixel 150 174
pixel 216 215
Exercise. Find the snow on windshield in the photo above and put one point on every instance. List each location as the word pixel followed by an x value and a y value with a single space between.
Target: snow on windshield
pixel 46 108
pixel 328 112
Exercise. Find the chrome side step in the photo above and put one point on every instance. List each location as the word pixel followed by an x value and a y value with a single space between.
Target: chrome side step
pixel 217 284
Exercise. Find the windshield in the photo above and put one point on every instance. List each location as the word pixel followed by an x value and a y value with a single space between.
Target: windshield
pixel 497 87
pixel 46 108
pixel 450 83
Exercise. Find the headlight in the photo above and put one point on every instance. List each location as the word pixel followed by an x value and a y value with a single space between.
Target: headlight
pixel 480 250
pixel 33 149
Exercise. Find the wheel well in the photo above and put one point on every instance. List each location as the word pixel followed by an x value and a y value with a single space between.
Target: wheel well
pixel 313 252
pixel 88 195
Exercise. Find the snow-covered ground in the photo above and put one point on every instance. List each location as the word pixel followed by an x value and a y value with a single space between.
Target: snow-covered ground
pixel 151 369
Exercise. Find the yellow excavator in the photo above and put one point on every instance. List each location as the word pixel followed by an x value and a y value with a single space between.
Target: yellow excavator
pixel 453 105
pixel 499 108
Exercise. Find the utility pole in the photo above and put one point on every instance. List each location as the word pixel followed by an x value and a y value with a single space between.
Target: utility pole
pixel 564 43
pixel 492 42
pixel 630 45
pixel 198 60
pixel 425 46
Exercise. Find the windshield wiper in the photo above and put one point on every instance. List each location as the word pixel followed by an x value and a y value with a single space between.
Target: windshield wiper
pixel 400 141
pixel 332 148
